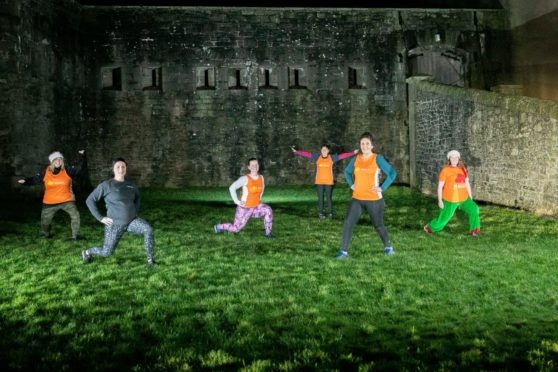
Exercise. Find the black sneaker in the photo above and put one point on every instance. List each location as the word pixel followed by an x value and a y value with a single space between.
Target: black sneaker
pixel 76 238
pixel 86 257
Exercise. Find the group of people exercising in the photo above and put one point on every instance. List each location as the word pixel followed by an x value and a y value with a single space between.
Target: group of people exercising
pixel 122 197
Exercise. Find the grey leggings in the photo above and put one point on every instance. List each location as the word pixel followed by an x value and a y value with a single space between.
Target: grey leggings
pixel 375 209
pixel 324 189
pixel 113 233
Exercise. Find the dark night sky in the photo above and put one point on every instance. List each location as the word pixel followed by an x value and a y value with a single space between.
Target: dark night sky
pixel 442 4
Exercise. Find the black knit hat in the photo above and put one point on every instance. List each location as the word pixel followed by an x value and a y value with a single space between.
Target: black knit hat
pixel 116 160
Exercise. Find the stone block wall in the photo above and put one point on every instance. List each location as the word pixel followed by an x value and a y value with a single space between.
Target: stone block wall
pixel 187 95
pixel 185 133
pixel 509 143
pixel 40 79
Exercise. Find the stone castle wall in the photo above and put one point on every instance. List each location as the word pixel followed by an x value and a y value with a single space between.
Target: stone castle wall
pixel 508 143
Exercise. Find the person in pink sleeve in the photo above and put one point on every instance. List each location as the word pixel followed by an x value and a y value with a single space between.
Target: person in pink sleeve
pixel 249 205
pixel 324 175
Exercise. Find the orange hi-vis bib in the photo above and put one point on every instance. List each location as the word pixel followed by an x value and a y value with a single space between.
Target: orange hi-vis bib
pixel 366 176
pixel 255 188
pixel 324 171
pixel 58 187
pixel 455 188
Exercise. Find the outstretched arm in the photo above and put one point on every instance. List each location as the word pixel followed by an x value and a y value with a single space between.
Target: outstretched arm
pixel 337 157
pixel 306 154
pixel 34 180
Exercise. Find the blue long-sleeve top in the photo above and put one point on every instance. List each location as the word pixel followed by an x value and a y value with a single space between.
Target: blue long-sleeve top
pixel 390 172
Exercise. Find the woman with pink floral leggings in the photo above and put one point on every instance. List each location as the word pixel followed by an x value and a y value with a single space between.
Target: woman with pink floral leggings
pixel 249 205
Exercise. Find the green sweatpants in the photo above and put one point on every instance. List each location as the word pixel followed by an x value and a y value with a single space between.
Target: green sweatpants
pixel 468 206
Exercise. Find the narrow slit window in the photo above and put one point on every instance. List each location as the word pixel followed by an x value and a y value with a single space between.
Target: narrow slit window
pixel 205 78
pixel 238 78
pixel 356 78
pixel 112 78
pixel 267 78
pixel 152 78
pixel 297 78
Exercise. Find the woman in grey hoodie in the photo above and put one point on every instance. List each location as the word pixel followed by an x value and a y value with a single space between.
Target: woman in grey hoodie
pixel 122 200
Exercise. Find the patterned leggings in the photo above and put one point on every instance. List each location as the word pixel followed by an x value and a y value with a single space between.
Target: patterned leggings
pixel 242 215
pixel 113 233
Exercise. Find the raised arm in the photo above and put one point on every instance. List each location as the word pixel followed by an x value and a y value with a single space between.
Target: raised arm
pixel 74 170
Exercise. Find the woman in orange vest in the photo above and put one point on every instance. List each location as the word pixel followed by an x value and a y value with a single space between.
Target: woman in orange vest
pixel 249 205
pixel 58 191
pixel 363 176
pixel 454 191
pixel 324 174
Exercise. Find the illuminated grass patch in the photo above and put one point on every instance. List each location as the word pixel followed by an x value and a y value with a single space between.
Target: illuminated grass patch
pixel 218 302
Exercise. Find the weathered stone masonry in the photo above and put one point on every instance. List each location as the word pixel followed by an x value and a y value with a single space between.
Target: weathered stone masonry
pixel 174 134
pixel 41 80
pixel 509 143
pixel 181 135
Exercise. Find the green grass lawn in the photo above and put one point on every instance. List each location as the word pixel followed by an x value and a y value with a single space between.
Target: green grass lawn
pixel 243 302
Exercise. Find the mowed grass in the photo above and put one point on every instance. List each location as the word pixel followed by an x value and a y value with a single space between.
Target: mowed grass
pixel 243 302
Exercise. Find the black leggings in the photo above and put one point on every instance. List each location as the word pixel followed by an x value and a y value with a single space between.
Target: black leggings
pixel 324 189
pixel 375 209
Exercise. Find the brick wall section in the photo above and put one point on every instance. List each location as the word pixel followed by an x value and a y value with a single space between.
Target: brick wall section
pixel 508 144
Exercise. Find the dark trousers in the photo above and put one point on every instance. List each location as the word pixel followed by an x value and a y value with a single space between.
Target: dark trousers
pixel 324 191
pixel 375 209
pixel 48 212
